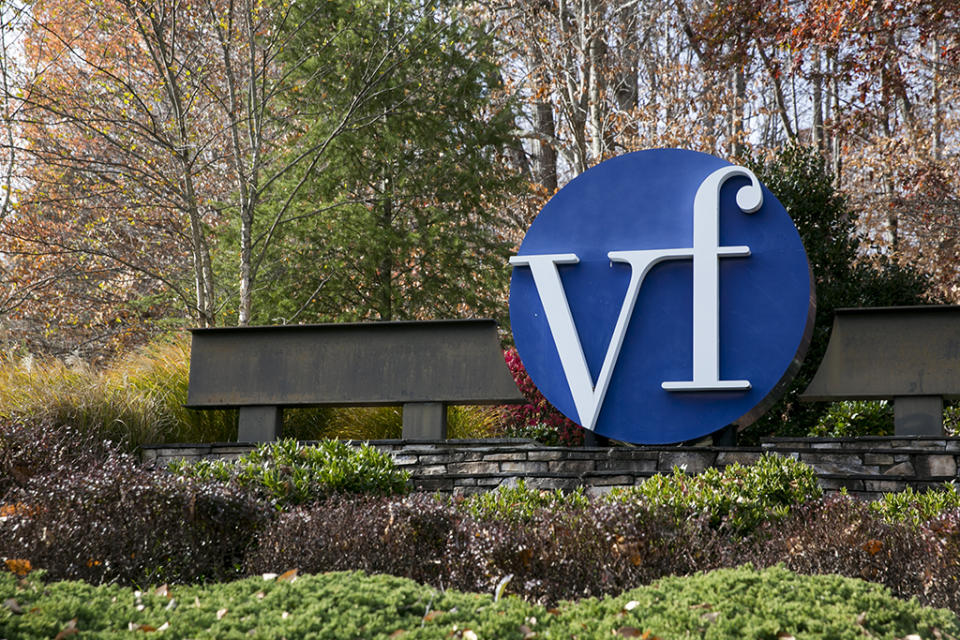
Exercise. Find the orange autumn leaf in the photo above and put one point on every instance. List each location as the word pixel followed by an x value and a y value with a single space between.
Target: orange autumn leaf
pixel 18 566
pixel 15 509
pixel 873 546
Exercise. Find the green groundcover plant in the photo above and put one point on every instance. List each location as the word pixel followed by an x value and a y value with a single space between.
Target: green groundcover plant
pixel 730 603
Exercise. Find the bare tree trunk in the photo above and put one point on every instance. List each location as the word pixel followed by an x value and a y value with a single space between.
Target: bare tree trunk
pixel 163 59
pixel 546 158
pixel 7 122
pixel 817 80
pixel 936 142
pixel 836 149
pixel 595 67
pixel 779 98
pixel 627 85
pixel 545 130
pixel 739 86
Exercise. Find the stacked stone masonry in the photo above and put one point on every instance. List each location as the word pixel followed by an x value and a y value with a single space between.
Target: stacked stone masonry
pixel 864 466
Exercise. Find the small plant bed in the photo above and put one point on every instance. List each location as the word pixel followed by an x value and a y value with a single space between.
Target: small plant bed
pixel 728 603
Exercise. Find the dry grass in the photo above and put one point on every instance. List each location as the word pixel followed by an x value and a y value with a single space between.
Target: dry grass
pixel 139 399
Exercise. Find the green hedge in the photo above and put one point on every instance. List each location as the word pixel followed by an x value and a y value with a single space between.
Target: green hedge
pixel 730 603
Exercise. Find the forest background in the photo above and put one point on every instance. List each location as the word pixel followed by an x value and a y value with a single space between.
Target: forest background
pixel 229 162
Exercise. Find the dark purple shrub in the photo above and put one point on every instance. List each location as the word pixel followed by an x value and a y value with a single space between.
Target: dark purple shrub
pixel 537 418
pixel 114 521
pixel 555 554
pixel 400 536
pixel 842 535
pixel 944 529
pixel 574 552
pixel 36 447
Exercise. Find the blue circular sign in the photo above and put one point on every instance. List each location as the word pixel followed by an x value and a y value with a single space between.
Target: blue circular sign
pixel 661 296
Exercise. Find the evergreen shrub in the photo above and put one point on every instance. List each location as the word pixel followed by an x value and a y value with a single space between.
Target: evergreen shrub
pixel 288 473
pixel 519 502
pixel 917 507
pixel 731 603
pixel 737 497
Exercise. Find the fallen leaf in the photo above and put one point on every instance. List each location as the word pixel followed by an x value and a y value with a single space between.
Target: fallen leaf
pixel 629 632
pixel 163 591
pixel 13 606
pixel 269 576
pixel 469 635
pixel 711 616
pixel 783 635
pixel 69 630
pixel 432 614
pixel 912 636
pixel 630 606
pixel 287 576
pixel 133 626
pixel 861 618
pixel 397 633
pixel 18 567
pixel 873 546
pixel 260 595
pixel 221 613
pixel 527 632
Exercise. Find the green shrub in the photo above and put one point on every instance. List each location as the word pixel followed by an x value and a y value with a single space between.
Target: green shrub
pixel 917 507
pixel 735 603
pixel 739 497
pixel 288 473
pixel 519 503
pixel 855 418
pixel 747 603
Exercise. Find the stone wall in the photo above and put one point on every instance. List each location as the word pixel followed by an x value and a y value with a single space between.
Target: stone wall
pixel 865 466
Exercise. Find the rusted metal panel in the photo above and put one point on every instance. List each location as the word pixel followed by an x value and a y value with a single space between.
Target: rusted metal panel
pixel 451 361
pixel 883 353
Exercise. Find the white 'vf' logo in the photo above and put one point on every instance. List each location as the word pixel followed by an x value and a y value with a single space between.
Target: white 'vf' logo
pixel 705 253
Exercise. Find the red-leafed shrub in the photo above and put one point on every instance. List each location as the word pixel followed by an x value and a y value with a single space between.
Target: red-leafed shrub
pixel 537 418
pixel 115 521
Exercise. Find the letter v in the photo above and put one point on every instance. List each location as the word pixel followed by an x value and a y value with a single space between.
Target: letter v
pixel 587 397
